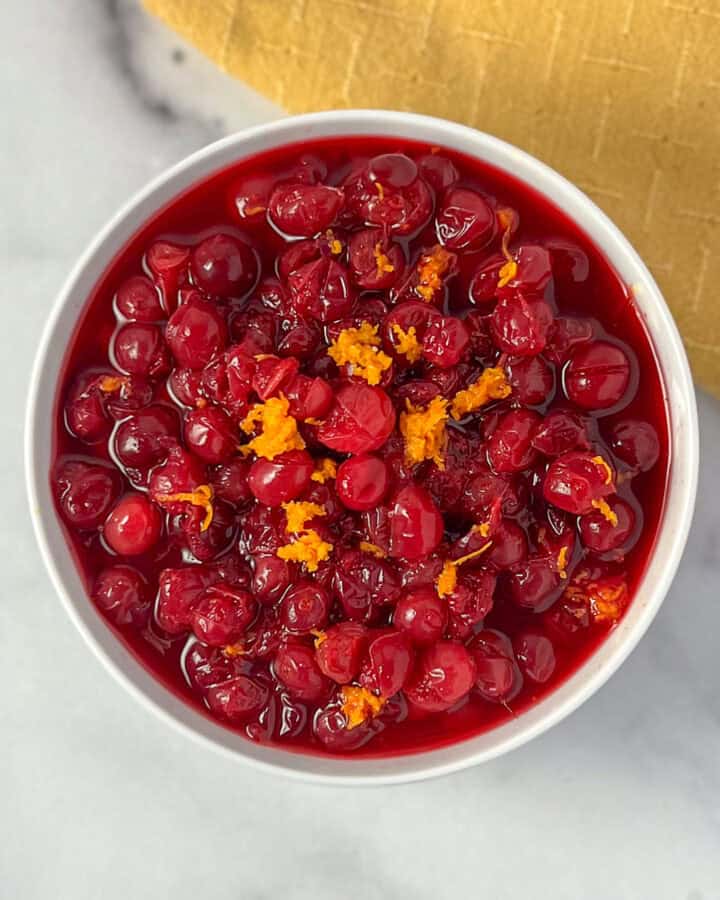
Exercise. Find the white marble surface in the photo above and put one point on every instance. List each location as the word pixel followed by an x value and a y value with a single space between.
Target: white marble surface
pixel 97 798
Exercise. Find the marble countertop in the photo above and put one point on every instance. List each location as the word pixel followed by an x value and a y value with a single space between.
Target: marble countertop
pixel 98 798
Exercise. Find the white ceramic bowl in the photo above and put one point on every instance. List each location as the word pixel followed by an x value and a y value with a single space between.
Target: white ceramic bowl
pixel 680 403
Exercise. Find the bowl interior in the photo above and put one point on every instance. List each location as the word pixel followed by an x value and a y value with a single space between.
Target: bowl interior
pixel 680 403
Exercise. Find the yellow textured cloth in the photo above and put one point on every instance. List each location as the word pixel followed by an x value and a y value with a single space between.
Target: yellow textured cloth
pixel 621 96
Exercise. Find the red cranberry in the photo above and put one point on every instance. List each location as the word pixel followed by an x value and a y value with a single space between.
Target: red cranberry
pixel 224 266
pixel 422 615
pixel 121 592
pixel 375 261
pixel 509 448
pixel 310 398
pixel 536 656
pixel 416 526
pixel 205 666
pixel 302 210
pixel 498 677
pixel 321 290
pixel 222 614
pixel 239 699
pixel 230 481
pixel 534 272
pixel 445 673
pixel 295 667
pixel 254 332
pixel 438 171
pixel 406 315
pixel 597 375
pixel 305 607
pixel 85 493
pixel 179 590
pixel 362 481
pixel 559 432
pixel 249 197
pixel 393 170
pixel 465 220
pixel 279 480
pixel 340 652
pixel 181 473
pixel 520 325
pixel 273 375
pixel 362 583
pixel 185 387
pixel 484 490
pixel 635 443
pixel 139 349
pixel 207 543
pixel 211 434
pixel 535 584
pixel 510 545
pixel 299 339
pixel 484 285
pixel 445 342
pixel 389 664
pixel 137 300
pixel 85 416
pixel 470 602
pixel 166 263
pixel 263 530
pixel 195 333
pixel 330 728
pixel 532 380
pixel 271 578
pixel 574 480
pixel 292 258
pixel 361 419
pixel 402 209
pixel 602 536
pixel 133 526
pixel 565 334
pixel 144 438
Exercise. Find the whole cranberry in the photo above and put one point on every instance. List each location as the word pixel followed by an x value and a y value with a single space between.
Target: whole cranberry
pixel 409 315
pixel 340 652
pixel 296 669
pixel 445 342
pixel 574 480
pixel 282 479
pixel 602 536
pixel 299 339
pixel 249 196
pixel 444 674
pixel 498 678
pixel 636 443
pixel 566 333
pixel 484 490
pixel 388 664
pixel 509 545
pixel 145 437
pixel 361 419
pixel 521 325
pixel 422 615
pixel 133 527
pixel 438 171
pixel 376 262
pixel 363 583
pixel 535 583
pixel 196 332
pixel 559 432
pixel 597 375
pixel 330 728
pixel 362 481
pixel 230 481
pixel 302 210
pixel 210 434
pixel 389 193
pixel 224 266
pixel 138 300
pixel 206 543
pixel 85 492
pixel 465 220
pixel 484 284
pixel 416 526
pixel 321 290
pixel 271 578
pixel 222 614
pixel 139 349
pixel 86 416
pixel 533 272
pixel 536 656
pixel 305 607
pixel 122 594
pixel 185 387
pixel 532 380
pixel 509 448
pixel 179 590
pixel 263 530
pixel 205 666
pixel 239 699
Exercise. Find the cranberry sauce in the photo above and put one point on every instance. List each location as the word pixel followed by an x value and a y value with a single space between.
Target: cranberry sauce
pixel 361 447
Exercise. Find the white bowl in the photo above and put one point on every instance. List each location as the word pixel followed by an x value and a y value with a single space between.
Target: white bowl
pixel 680 400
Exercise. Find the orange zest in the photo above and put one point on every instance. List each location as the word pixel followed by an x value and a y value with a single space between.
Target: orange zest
pixel 406 343
pixel 278 430
pixel 424 431
pixel 359 704
pixel 108 384
pixel 605 602
pixel 319 635
pixel 381 260
pixel 202 496
pixel 233 650
pixel 307 548
pixel 598 460
pixel 380 190
pixel 299 513
pixel 367 547
pixel 335 245
pixel 359 348
pixel 432 267
pixel 562 561
pixel 509 269
pixel 491 385
pixel 447 579
pixel 325 470
pixel 483 529
pixel 602 506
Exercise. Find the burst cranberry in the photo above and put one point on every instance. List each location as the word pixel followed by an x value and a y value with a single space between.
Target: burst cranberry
pixel 167 263
pixel 224 266
pixel 559 432
pixel 361 419
pixel 239 699
pixel 532 380
pixel 363 583
pixel 422 615
pixel 635 443
pixel 602 535
pixel 340 652
pixel 470 602
pixel 574 480
pixel 465 220
pixel 388 665
pixel 137 300
pixel 310 398
pixel 133 526
pixel 139 349
pixel 85 493
pixel 145 437
pixel 249 197
pixel 416 526
pixel 181 473
pixel 565 334
pixel 230 481
pixel 362 481
pixel 445 673
pixel 597 375
pixel 179 590
pixel 321 290
pixel 536 656
pixel 279 480
pixel 203 541
pixel 305 607
pixel 122 594
pixel 302 210
pixel 510 448
pixel 195 333
pixel 298 339
pixel 445 342
pixel 222 614
pixel 376 262
pixel 520 326
pixel 395 204
pixel 484 490
pixel 438 171
pixel 205 666
pixel 211 434
pixel 295 667
pixel 497 675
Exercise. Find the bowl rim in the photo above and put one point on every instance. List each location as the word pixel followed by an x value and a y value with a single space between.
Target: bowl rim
pixel 679 397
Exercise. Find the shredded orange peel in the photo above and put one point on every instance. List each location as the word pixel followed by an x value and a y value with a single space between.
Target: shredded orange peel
pixel 233 650
pixel 598 460
pixel 319 635
pixel 509 270
pixel 307 547
pixel 380 190
pixel 201 496
pixel 447 579
pixel 431 269
pixel 423 430
pixel 299 513
pixel 367 547
pixel 335 245
pixel 325 470
pixel 382 261
pixel 406 343
pixel 605 602
pixel 279 432
pixel 491 385
pixel 603 507
pixel 359 704
pixel 359 348
pixel 108 384
pixel 562 561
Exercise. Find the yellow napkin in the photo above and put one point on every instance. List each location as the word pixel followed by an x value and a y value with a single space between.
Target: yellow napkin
pixel 621 96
